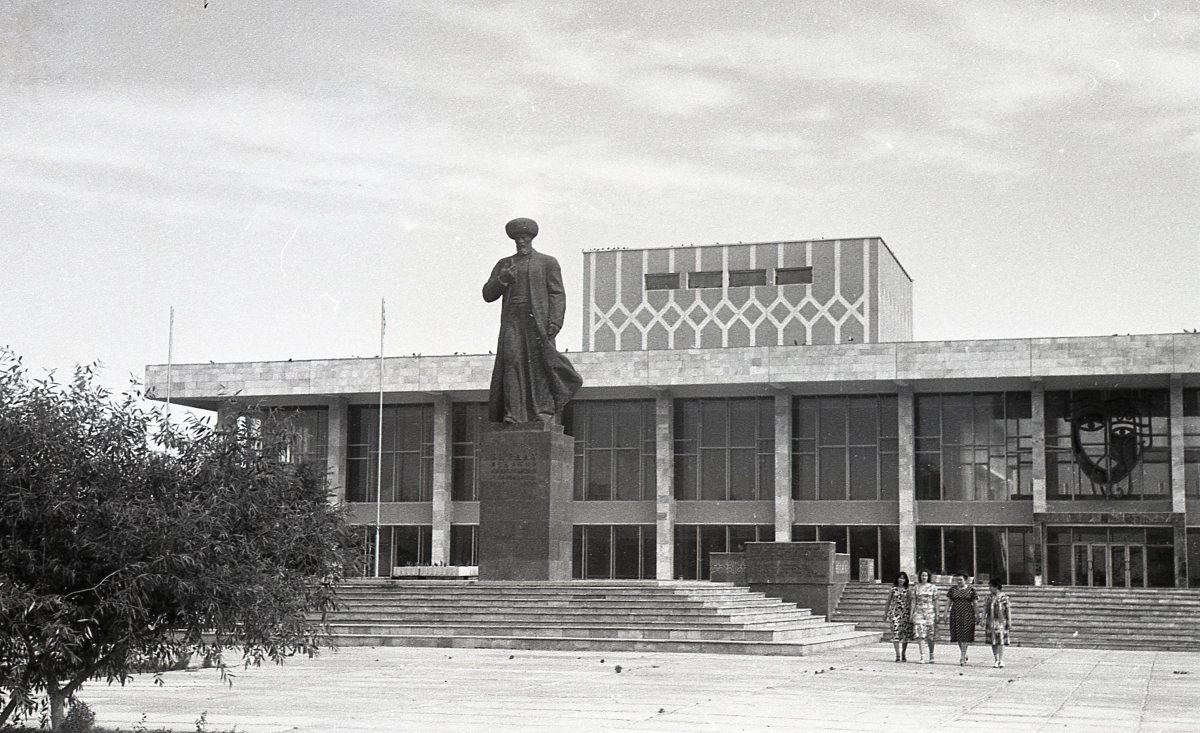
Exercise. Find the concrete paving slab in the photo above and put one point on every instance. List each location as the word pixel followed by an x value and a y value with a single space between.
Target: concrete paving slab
pixel 855 689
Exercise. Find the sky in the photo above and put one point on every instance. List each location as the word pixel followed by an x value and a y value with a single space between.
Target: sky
pixel 272 170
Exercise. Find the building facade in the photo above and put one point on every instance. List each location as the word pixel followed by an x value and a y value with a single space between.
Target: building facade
pixel 771 392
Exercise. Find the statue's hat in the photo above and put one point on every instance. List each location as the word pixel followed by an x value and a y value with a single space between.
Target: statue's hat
pixel 521 226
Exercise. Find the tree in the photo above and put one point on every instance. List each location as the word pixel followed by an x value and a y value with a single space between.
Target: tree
pixel 126 542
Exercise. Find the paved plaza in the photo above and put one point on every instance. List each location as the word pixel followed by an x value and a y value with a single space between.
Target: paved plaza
pixel 860 689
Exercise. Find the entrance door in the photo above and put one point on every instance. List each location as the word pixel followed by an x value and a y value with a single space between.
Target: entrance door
pixel 1112 566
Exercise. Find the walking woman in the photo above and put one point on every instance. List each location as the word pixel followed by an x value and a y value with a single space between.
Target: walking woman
pixel 997 620
pixel 962 615
pixel 898 616
pixel 924 614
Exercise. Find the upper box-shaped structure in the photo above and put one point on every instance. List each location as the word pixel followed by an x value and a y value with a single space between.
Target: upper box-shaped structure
pixel 826 291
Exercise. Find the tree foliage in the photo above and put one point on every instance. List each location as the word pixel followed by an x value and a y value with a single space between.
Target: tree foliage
pixel 126 541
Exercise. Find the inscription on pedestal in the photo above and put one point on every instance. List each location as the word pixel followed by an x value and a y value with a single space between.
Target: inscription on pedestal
pixel 525 486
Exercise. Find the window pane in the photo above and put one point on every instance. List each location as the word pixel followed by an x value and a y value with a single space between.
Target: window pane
pixel 712 539
pixel 804 477
pixel 833 421
pixel 889 420
pixel 889 551
pixel 991 553
pixel 686 552
pixel 629 474
pixel 889 476
pixel 739 535
pixel 741 474
pixel 863 420
pixel 712 474
pixel 804 423
pixel 834 534
pixel 662 281
pixel 706 279
pixel 833 473
pixel 713 423
pixel 744 278
pixel 685 479
pixel 743 422
pixel 929 549
pixel 599 475
pixel 600 425
pixel 960 550
pixel 626 551
pixel 929 476
pixel 629 424
pixel 686 419
pixel 928 416
pixel 863 482
pixel 598 551
pixel 804 533
pixel 864 544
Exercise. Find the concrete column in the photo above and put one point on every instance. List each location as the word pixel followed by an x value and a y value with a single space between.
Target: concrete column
pixel 440 542
pixel 908 480
pixel 1178 484
pixel 1037 400
pixel 664 461
pixel 335 449
pixel 784 509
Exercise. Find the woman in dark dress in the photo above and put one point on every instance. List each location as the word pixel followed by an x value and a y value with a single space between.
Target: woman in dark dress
pixel 897 614
pixel 962 615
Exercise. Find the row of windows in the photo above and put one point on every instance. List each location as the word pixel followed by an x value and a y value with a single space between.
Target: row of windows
pixel 1113 556
pixel 737 278
pixel 968 447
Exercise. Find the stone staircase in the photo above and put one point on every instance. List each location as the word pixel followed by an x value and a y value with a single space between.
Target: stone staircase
pixel 640 616
pixel 1161 619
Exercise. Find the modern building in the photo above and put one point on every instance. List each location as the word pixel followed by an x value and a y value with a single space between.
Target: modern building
pixel 772 392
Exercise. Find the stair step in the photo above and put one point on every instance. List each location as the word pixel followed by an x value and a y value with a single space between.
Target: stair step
pixel 695 616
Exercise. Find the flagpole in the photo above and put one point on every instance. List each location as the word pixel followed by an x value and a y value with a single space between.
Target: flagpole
pixel 170 355
pixel 379 466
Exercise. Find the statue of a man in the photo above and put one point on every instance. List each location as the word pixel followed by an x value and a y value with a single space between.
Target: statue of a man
pixel 531 381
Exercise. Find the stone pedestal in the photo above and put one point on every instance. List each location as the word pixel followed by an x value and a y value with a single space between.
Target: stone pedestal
pixel 809 574
pixel 526 476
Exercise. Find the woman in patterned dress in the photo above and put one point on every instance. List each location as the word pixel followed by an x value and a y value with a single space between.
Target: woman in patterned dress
pixel 898 614
pixel 997 620
pixel 924 613
pixel 962 615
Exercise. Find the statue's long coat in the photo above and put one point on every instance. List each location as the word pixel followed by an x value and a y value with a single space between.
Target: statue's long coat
pixel 548 301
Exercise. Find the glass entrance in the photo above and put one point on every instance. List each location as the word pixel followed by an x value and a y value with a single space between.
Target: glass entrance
pixel 1110 565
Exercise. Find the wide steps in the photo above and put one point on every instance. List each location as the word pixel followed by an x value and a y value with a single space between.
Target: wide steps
pixel 582 615
pixel 1163 619
pixel 574 644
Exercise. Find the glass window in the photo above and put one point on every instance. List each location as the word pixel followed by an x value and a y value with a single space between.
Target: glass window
pixel 974 447
pixel 724 449
pixel 467 419
pixel 410 544
pixel 464 544
pixel 744 278
pixel 695 542
pixel 617 551
pixel 706 279
pixel 845 448
pixel 662 281
pixel 793 275
pixel 1191 442
pixel 295 434
pixel 406 448
pixel 1108 444
pixel 614 449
